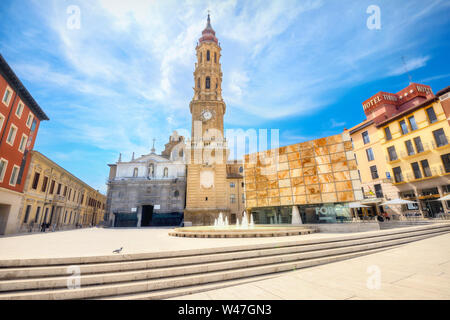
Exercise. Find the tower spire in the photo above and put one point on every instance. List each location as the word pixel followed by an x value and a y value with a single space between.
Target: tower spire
pixel 153 148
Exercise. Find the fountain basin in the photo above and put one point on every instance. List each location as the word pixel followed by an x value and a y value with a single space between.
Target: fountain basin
pixel 234 232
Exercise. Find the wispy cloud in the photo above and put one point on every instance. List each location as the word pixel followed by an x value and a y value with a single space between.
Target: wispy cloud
pixel 125 77
pixel 409 65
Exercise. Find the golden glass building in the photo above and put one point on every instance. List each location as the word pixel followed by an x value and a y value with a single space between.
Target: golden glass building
pixel 319 177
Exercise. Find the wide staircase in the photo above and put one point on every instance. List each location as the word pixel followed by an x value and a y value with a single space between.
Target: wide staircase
pixel 160 275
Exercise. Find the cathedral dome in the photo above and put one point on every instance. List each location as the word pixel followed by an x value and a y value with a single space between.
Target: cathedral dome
pixel 208 34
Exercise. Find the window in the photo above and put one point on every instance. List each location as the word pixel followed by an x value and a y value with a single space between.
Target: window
pixel 11 135
pixel 241 169
pixel 166 172
pixel 29 119
pixel 14 175
pixel 378 191
pixel 215 57
pixel 426 168
pixel 27 214
pixel 412 123
pixel 208 83
pixel 135 172
pixel 397 174
pixel 3 166
pixel 44 184
pixel 418 143
pixel 392 153
pixel 365 136
pixel 208 55
pixel 201 57
pixel 7 96
pixel 445 160
pixel 35 180
pixel 65 191
pixel 52 187
pixel 232 185
pixel 23 143
pixel 58 191
pixel 374 172
pixel 387 133
pixel 19 109
pixel 440 138
pixel 370 155
pixel 232 198
pixel 416 170
pixel 404 127
pixel 409 148
pixel 36 216
pixel 431 115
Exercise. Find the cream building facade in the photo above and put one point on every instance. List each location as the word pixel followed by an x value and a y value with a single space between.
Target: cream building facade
pixel 55 196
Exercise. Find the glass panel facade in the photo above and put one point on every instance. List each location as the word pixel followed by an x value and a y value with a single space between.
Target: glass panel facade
pixel 312 213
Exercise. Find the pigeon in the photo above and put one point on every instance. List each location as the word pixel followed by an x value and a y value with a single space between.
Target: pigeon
pixel 118 250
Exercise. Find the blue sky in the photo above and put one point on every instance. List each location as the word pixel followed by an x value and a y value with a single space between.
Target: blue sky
pixel 125 77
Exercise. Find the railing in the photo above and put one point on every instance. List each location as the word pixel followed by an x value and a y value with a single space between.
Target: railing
pixel 434 172
pixel 426 147
pixel 443 142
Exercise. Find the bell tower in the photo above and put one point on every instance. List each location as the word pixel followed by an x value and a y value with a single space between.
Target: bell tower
pixel 207 106
pixel 207 173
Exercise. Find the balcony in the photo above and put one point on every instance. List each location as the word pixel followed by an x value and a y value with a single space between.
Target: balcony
pixel 442 143
pixel 436 171
pixel 427 147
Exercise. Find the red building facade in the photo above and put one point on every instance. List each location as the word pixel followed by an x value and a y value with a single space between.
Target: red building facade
pixel 20 116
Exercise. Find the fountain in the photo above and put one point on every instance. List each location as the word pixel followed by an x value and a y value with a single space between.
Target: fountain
pixel 244 221
pixel 243 228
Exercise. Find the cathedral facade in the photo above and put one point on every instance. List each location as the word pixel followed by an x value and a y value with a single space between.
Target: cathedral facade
pixel 149 190
pixel 192 177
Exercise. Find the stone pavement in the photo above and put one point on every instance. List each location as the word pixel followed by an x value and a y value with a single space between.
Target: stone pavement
pixel 99 241
pixel 418 270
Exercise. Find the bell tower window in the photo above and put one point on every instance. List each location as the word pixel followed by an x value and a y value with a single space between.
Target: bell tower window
pixel 207 55
pixel 215 57
pixel 200 57
pixel 198 83
pixel 208 83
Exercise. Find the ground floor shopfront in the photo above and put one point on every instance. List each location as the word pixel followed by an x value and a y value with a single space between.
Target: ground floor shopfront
pixel 10 202
pixel 310 213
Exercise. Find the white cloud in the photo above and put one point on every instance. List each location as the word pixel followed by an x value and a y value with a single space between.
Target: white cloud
pixel 410 65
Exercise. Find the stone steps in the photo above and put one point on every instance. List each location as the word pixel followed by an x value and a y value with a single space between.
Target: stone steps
pixel 168 274
pixel 96 268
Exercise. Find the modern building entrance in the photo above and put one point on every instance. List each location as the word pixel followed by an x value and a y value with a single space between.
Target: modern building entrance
pixel 147 214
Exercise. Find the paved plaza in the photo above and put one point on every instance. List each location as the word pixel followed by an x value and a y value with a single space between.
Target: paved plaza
pixel 418 270
pixel 99 241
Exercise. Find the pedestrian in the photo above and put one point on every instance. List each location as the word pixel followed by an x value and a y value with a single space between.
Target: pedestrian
pixel 43 227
